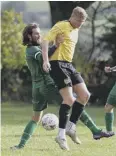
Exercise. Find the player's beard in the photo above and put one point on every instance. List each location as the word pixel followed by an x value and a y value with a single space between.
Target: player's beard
pixel 35 43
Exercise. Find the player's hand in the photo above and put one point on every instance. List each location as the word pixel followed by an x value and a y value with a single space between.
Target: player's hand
pixel 59 39
pixel 46 67
pixel 107 69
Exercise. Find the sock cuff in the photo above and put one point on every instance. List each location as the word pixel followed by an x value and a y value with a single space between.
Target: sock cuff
pixel 79 104
pixel 65 106
pixel 33 121
pixel 109 113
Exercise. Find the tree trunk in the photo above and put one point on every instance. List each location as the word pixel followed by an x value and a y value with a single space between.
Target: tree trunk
pixel 93 31
pixel 61 10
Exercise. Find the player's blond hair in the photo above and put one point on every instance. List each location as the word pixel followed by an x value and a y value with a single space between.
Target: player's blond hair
pixel 79 12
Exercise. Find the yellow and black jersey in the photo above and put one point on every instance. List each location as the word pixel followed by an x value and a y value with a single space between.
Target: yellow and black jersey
pixel 66 49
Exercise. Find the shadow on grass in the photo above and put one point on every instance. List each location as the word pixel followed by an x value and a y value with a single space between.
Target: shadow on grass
pixel 34 136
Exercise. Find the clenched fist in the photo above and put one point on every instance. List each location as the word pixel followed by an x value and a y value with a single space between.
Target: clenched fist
pixel 46 66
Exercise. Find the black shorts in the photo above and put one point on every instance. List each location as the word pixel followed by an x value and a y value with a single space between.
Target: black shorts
pixel 64 74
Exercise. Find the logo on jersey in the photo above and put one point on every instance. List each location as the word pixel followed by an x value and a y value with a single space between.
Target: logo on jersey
pixel 67 81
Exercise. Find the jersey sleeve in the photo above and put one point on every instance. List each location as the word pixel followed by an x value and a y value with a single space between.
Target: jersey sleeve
pixel 36 52
pixel 56 29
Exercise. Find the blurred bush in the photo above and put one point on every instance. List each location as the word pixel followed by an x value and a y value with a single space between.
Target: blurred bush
pixel 16 78
pixel 13 58
pixel 12 51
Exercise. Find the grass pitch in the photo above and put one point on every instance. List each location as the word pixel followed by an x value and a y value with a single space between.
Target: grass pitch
pixel 15 116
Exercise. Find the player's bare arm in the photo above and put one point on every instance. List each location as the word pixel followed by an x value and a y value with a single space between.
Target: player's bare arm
pixel 110 69
pixel 113 68
pixel 46 64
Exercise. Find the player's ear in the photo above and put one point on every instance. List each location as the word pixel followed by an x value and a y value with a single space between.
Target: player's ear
pixel 29 36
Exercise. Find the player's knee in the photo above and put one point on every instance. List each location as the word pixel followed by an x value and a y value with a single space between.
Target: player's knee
pixel 108 108
pixel 84 99
pixel 37 116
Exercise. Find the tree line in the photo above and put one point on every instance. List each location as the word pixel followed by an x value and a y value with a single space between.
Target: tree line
pixel 15 76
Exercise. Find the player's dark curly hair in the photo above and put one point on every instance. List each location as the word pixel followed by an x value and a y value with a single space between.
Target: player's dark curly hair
pixel 28 31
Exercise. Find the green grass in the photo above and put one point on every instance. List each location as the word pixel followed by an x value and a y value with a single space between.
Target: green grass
pixel 15 116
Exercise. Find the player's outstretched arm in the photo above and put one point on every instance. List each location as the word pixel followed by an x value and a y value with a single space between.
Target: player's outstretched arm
pixel 46 64
pixel 113 68
pixel 109 69
pixel 59 39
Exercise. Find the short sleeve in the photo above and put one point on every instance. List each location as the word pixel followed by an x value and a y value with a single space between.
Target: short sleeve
pixel 36 51
pixel 56 29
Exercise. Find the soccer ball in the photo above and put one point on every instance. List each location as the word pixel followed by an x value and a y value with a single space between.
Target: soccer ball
pixel 50 121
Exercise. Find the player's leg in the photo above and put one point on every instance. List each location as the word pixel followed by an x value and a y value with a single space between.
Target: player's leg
pixel 65 90
pixel 83 95
pixel 68 100
pixel 39 104
pixel 109 113
pixel 85 117
pixel 96 131
pixel 78 106
pixel 53 94
pixel 88 121
pixel 109 117
pixel 61 75
pixel 29 130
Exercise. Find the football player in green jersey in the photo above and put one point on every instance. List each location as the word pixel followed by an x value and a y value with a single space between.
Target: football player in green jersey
pixel 110 104
pixel 42 84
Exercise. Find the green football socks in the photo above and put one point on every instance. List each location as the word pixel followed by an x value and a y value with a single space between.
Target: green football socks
pixel 109 119
pixel 87 120
pixel 28 131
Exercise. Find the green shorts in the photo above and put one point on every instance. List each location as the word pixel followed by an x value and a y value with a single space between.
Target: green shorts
pixel 112 96
pixel 42 94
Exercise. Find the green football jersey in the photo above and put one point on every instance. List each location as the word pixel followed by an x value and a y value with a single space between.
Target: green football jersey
pixel 35 63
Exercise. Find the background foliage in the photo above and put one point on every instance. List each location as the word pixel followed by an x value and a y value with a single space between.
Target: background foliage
pixel 12 51
pixel 16 79
pixel 13 58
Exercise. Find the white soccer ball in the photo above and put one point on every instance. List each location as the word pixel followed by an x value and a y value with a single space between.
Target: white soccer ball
pixel 50 121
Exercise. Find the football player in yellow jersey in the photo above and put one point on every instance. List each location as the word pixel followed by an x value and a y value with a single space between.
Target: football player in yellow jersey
pixel 65 75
